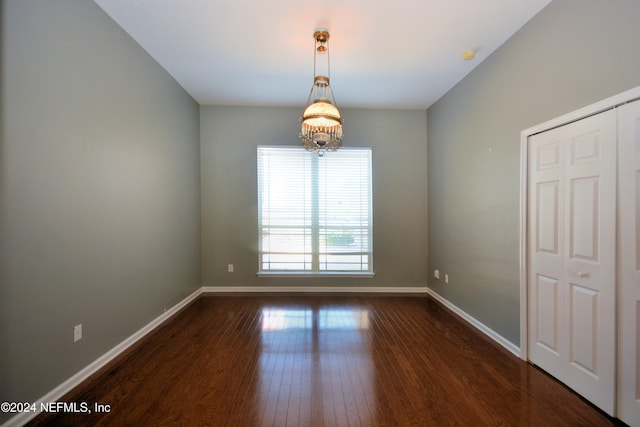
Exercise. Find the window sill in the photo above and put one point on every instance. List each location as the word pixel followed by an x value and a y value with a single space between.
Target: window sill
pixel 359 274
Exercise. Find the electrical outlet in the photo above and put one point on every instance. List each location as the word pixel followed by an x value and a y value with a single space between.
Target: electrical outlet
pixel 230 268
pixel 446 278
pixel 77 333
pixel 436 274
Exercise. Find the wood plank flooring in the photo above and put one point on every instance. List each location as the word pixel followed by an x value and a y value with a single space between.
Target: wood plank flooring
pixel 292 360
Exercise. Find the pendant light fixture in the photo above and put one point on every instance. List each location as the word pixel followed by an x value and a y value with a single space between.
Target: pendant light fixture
pixel 321 121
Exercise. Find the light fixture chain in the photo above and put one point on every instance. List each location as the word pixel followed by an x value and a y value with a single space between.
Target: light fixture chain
pixel 315 54
pixel 328 60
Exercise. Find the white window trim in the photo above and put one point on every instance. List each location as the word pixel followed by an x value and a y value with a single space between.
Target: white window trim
pixel 361 274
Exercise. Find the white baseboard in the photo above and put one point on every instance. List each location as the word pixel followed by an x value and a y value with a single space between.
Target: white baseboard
pixel 57 393
pixel 64 388
pixel 476 323
pixel 314 289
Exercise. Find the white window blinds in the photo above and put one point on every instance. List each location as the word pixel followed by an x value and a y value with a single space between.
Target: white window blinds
pixel 314 213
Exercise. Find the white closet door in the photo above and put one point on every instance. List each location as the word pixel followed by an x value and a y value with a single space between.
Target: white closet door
pixel 629 226
pixel 571 266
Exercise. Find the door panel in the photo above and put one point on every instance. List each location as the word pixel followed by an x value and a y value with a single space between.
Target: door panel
pixel 571 265
pixel 547 346
pixel 547 227
pixel 584 218
pixel 547 313
pixel 584 328
pixel 548 156
pixel 629 273
pixel 585 148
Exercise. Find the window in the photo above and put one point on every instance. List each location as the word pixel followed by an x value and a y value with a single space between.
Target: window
pixel 314 213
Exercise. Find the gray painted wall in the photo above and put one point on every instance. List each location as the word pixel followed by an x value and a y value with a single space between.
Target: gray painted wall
pixel 572 54
pixel 229 137
pixel 105 198
pixel 99 194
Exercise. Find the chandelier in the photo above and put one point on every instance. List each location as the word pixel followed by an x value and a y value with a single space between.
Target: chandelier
pixel 321 121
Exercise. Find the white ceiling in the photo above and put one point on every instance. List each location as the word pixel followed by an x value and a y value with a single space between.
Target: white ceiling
pixel 384 54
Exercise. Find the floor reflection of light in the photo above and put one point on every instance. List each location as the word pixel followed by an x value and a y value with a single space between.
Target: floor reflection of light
pixel 343 318
pixel 316 352
pixel 278 319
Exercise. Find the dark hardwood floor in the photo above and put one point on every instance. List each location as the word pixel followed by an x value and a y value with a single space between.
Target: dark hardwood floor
pixel 322 361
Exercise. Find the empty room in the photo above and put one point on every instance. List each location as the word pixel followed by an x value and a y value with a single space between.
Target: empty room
pixel 320 214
